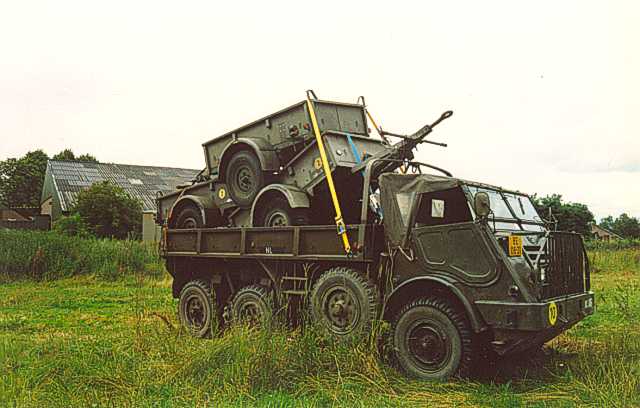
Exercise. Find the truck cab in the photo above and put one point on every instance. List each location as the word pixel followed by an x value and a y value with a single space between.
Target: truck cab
pixel 519 283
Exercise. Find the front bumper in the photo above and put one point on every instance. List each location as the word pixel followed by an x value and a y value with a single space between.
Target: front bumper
pixel 516 327
pixel 554 313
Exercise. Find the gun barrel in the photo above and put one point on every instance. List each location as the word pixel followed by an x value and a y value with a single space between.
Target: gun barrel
pixel 404 149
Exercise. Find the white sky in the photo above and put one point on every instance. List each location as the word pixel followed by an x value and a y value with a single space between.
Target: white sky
pixel 546 94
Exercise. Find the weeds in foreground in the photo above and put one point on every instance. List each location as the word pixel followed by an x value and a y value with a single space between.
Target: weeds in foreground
pixel 89 341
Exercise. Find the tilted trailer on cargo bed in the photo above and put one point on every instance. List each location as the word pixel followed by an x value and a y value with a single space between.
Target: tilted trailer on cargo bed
pixel 270 172
pixel 451 264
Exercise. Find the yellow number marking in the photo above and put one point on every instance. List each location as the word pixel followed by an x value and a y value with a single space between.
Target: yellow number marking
pixel 515 245
pixel 222 193
pixel 553 313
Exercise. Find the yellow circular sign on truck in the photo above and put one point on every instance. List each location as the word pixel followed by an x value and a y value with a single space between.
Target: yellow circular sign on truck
pixel 222 193
pixel 553 313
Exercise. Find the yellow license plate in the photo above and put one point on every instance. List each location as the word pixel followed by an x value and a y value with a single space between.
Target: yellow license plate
pixel 515 245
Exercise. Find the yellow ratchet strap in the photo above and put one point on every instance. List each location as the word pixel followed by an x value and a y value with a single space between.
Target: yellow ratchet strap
pixel 375 125
pixel 340 225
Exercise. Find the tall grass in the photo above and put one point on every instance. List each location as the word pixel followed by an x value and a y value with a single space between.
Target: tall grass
pixel 606 260
pixel 49 255
pixel 613 245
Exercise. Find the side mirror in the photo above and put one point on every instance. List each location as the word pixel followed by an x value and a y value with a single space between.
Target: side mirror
pixel 482 204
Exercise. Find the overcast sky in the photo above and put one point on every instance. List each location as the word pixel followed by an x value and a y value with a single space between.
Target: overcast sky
pixel 546 94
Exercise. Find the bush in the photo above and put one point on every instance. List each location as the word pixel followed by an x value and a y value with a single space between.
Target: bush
pixel 109 211
pixel 72 225
pixel 49 255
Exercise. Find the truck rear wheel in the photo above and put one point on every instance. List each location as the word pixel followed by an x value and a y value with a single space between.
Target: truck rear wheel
pixel 244 177
pixel 252 304
pixel 343 302
pixel 196 309
pixel 432 340
pixel 278 213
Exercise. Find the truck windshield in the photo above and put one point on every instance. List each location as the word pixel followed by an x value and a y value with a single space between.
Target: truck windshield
pixel 511 211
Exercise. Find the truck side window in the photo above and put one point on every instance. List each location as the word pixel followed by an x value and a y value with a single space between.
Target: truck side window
pixel 404 201
pixel 443 207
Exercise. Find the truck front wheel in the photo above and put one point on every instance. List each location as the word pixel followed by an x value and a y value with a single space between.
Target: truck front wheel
pixel 432 340
pixel 196 309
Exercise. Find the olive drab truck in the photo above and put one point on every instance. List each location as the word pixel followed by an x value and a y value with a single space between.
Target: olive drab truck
pixel 453 265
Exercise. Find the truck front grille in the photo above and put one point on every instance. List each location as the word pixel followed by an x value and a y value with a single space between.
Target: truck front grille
pixel 565 266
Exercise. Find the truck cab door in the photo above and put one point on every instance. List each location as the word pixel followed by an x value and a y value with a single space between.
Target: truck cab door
pixel 447 240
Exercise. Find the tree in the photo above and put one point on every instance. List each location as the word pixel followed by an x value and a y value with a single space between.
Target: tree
pixel 87 158
pixel 21 179
pixel 624 225
pixel 67 154
pixel 109 211
pixel 574 217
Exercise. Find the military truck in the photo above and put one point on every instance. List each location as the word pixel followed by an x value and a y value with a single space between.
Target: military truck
pixel 453 265
pixel 270 172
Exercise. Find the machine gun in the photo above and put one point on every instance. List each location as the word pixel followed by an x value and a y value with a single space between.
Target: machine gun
pixel 402 152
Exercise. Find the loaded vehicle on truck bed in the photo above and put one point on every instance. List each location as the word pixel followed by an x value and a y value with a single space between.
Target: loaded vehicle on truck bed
pixel 453 265
pixel 270 171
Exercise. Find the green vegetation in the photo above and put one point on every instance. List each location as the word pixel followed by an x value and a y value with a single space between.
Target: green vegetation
pixel 569 216
pixel 624 225
pixel 48 255
pixel 614 245
pixel 67 154
pixel 90 340
pixel 21 178
pixel 108 211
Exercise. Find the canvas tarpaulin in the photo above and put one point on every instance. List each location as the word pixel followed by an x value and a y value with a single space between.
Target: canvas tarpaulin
pixel 398 191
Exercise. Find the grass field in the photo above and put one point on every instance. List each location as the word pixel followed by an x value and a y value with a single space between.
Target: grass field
pixel 86 341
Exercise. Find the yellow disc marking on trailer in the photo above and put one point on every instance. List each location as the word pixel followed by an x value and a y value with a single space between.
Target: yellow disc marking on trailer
pixel 222 193
pixel 553 313
pixel 317 163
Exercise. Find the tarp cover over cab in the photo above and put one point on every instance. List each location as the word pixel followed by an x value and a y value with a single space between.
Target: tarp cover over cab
pixel 398 192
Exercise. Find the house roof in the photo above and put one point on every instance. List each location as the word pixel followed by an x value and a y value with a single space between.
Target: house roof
pixel 595 227
pixel 141 182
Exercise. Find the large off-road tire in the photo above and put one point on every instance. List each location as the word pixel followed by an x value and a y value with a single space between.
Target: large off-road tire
pixel 195 308
pixel 252 305
pixel 188 217
pixel 344 303
pixel 432 340
pixel 278 213
pixel 244 177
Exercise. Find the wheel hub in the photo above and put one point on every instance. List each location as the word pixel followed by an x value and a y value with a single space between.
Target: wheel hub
pixel 251 312
pixel 245 179
pixel 428 345
pixel 189 223
pixel 277 219
pixel 195 313
pixel 341 310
